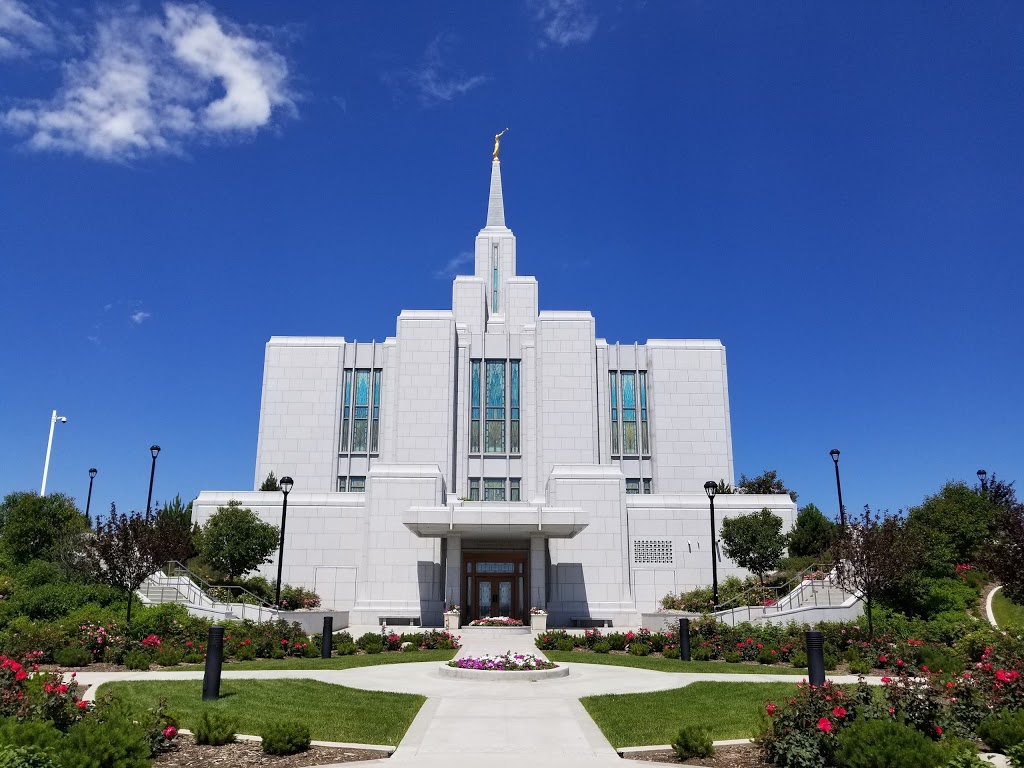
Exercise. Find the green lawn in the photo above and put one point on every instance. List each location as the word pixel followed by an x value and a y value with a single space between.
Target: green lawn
pixel 337 662
pixel 672 665
pixel 727 710
pixel 1008 614
pixel 332 712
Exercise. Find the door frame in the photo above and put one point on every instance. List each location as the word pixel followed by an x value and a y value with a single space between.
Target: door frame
pixel 520 576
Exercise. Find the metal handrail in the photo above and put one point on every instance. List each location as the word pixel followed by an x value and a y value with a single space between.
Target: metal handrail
pixel 796 581
pixel 198 591
pixel 794 598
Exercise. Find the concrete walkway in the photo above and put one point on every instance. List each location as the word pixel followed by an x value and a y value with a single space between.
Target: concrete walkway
pixel 496 723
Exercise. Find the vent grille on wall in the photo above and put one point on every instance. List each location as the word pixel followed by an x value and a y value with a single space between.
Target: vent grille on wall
pixel 652 552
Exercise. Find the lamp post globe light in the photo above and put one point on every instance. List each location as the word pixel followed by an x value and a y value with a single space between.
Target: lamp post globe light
pixel 286 484
pixel 54 418
pixel 88 499
pixel 711 488
pixel 982 476
pixel 155 451
pixel 834 453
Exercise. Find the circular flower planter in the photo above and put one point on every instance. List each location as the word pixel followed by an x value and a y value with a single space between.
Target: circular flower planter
pixel 510 666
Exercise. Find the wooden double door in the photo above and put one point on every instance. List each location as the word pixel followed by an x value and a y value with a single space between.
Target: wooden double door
pixel 495 584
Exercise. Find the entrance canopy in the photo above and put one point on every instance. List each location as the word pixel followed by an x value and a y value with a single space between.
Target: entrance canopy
pixel 496 520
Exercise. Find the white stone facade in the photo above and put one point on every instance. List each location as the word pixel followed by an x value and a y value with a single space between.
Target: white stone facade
pixel 570 476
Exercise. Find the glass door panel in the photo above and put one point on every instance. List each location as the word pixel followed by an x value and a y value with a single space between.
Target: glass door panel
pixel 505 598
pixel 484 602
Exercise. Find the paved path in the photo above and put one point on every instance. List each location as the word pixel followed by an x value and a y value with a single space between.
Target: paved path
pixel 495 723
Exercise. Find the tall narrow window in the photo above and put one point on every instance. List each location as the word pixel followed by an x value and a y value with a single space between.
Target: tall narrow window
pixel 513 426
pixel 375 426
pixel 632 485
pixel 345 411
pixel 615 411
pixel 647 485
pixel 513 489
pixel 474 416
pixel 357 484
pixel 494 489
pixel 628 412
pixel 494 280
pixel 362 409
pixel 474 489
pixel 644 438
pixel 495 416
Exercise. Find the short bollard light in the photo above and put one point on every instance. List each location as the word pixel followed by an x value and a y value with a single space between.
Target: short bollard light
pixel 328 638
pixel 684 639
pixel 815 657
pixel 214 662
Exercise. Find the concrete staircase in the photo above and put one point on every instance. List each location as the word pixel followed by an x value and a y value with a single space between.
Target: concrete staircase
pixel 815 595
pixel 177 584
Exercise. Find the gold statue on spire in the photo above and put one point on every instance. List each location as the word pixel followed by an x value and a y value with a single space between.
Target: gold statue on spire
pixel 497 144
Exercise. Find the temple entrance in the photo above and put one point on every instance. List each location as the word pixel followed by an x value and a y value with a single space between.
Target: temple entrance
pixel 495 585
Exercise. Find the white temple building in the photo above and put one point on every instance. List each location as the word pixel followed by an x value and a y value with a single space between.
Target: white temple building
pixel 496 457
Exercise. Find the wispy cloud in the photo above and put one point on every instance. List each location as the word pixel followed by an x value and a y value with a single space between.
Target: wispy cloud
pixel 21 33
pixel 149 84
pixel 564 22
pixel 434 81
pixel 139 317
pixel 453 266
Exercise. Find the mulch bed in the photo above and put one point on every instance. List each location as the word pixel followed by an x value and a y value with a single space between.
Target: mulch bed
pixel 739 756
pixel 185 753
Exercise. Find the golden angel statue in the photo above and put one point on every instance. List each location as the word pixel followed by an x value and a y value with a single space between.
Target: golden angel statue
pixel 497 144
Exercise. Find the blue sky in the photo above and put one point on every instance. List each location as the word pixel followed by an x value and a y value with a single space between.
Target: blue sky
pixel 834 190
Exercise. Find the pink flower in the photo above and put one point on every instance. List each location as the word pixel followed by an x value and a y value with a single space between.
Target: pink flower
pixel 770 709
pixel 82 705
pixel 886 680
pixel 170 732
pixel 825 725
pixel 839 712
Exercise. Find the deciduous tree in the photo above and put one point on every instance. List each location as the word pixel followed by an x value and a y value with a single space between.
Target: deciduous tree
pixel 235 541
pixel 38 527
pixel 122 551
pixel 767 482
pixel 812 534
pixel 755 541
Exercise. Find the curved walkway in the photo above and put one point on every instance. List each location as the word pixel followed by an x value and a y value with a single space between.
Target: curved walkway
pixel 499 723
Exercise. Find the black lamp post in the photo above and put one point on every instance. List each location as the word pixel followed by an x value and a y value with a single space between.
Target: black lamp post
pixel 982 475
pixel 286 488
pixel 88 499
pixel 155 450
pixel 834 453
pixel 711 488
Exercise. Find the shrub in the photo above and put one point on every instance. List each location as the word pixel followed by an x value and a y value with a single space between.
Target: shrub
pixel 345 637
pixel 346 649
pixel 670 653
pixel 193 658
pixel 373 648
pixel 246 653
pixel 370 638
pixel 285 738
pixel 939 659
pixel 602 647
pixel 72 657
pixel 886 744
pixel 293 598
pixel 767 657
pixel 860 667
pixel 113 654
pixel 831 662
pixel 1002 730
pixel 962 753
pixel 108 740
pixel 278 653
pixel 617 641
pixel 798 659
pixel 29 733
pixel 137 660
pixel 214 728
pixel 1016 756
pixel 732 657
pixel 639 649
pixel 693 741
pixel 167 658
pixel 26 757
pixel 701 654
pixel 565 644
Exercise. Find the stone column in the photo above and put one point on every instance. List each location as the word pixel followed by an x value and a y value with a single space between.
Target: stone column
pixel 538 572
pixel 453 572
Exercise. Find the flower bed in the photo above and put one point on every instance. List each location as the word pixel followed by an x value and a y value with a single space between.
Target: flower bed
pixel 496 621
pixel 508 662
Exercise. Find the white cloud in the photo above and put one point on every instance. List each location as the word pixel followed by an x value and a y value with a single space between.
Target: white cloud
pixel 139 317
pixel 564 22
pixel 433 81
pixel 21 33
pixel 453 265
pixel 148 85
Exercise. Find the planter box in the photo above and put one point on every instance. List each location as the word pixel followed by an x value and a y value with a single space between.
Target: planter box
pixel 539 622
pixel 452 621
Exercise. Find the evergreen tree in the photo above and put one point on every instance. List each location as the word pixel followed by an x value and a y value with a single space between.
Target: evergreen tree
pixel 270 484
pixel 812 534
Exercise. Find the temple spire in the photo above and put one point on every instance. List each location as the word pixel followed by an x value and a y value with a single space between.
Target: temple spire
pixel 495 202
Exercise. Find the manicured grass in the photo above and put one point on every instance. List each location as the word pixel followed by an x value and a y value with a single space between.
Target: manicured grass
pixel 1008 614
pixel 726 710
pixel 332 712
pixel 673 665
pixel 337 662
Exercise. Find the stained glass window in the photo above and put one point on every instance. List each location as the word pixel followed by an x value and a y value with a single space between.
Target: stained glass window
pixel 375 427
pixel 632 485
pixel 494 489
pixel 513 426
pixel 362 411
pixel 494 287
pixel 474 416
pixel 647 485
pixel 644 438
pixel 513 489
pixel 345 414
pixel 474 489
pixel 612 382
pixel 357 484
pixel 495 415
pixel 628 412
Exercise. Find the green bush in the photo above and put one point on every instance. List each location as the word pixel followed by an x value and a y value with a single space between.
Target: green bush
pixel 137 660
pixel 193 658
pixel 72 657
pixel 939 659
pixel 1002 730
pixel 370 638
pixel 616 641
pixel 860 667
pixel 886 744
pixel 27 757
pixel 831 662
pixel 40 572
pixel 671 653
pixel 639 649
pixel 278 653
pixel 214 728
pixel 701 654
pixel 693 741
pixel 374 648
pixel 285 738
pixel 602 647
pixel 167 658
pixel 732 657
pixel 798 659
pixel 765 656
pixel 111 742
pixel 345 649
pixel 246 653
pixel 1016 756
pixel 565 644
pixel 962 753
pixel 113 654
pixel 30 733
